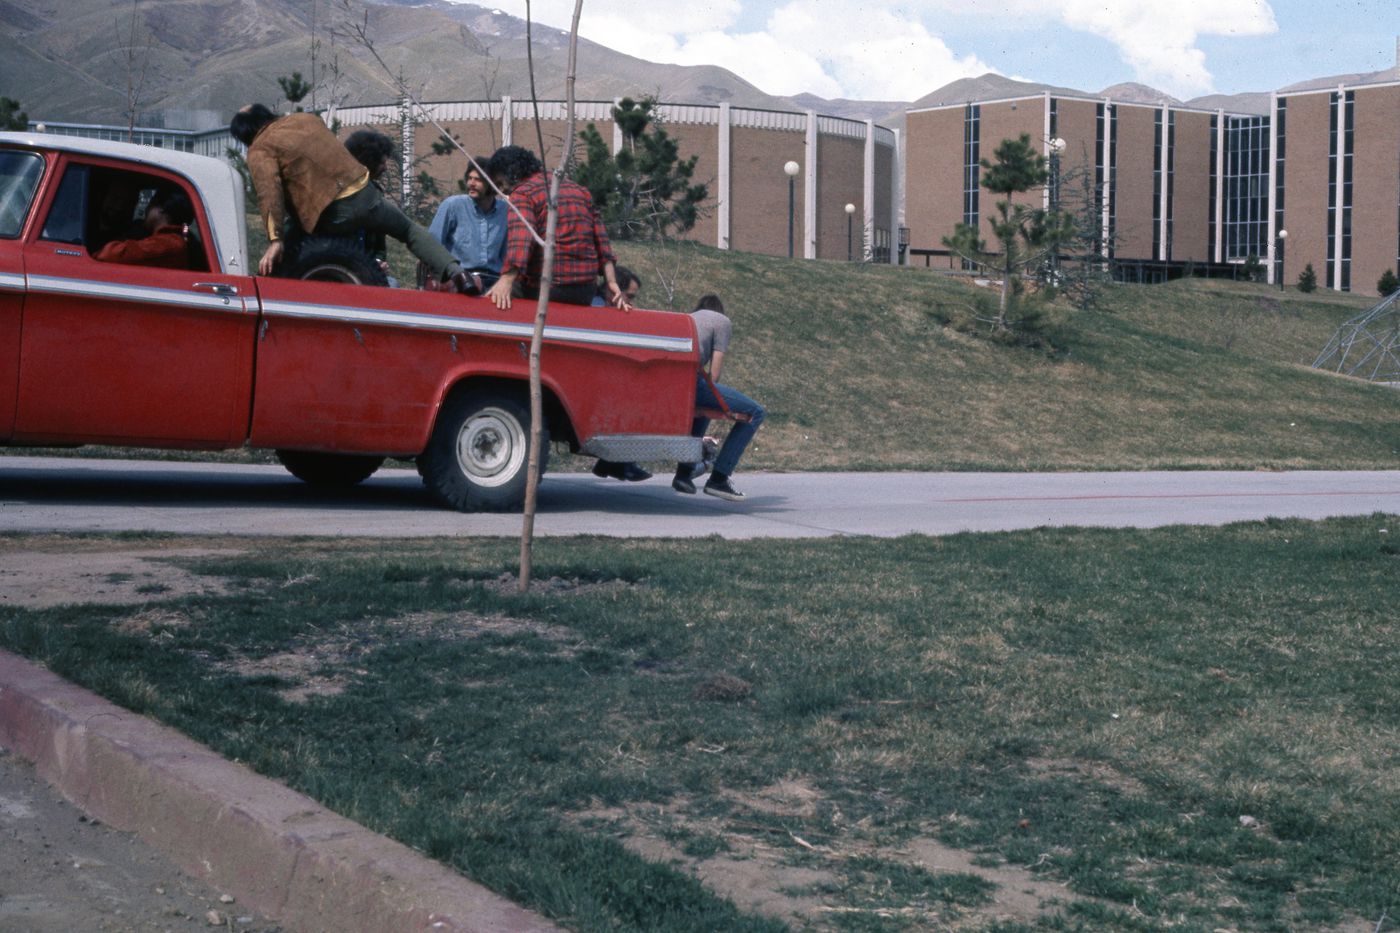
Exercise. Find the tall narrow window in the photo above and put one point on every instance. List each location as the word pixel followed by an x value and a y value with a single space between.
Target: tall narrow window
pixel 1171 179
pixel 1332 157
pixel 1157 169
pixel 972 170
pixel 1348 148
pixel 1213 197
pixel 1112 179
pixel 1245 187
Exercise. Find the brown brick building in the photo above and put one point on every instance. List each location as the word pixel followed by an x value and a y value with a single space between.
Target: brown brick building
pixel 1334 184
pixel 1155 175
pixel 742 153
pixel 1316 181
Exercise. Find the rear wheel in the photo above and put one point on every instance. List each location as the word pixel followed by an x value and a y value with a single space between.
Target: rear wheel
pixel 333 259
pixel 478 456
pixel 321 469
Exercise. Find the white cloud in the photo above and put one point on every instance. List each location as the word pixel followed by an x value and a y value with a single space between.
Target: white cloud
pixel 1158 38
pixel 850 48
pixel 872 53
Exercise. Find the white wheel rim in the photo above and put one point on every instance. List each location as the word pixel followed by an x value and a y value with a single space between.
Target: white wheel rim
pixel 491 447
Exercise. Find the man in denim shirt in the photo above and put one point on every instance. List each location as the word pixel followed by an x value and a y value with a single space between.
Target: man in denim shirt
pixel 473 228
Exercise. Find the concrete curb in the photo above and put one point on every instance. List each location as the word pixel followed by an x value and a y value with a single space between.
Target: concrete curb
pixel 275 850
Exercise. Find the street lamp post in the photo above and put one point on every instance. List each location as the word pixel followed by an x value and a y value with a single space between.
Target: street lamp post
pixel 850 215
pixel 1282 235
pixel 792 168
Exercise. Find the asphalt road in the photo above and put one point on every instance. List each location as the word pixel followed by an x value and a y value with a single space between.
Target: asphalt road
pixel 69 494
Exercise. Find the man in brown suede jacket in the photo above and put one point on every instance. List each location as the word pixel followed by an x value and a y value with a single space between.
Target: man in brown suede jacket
pixel 302 172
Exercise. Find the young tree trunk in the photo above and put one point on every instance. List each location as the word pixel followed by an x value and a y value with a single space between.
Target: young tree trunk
pixel 532 481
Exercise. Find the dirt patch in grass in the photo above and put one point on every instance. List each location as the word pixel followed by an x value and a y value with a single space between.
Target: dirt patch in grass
pixel 154 622
pixel 1094 772
pixel 1020 895
pixel 778 873
pixel 38 577
pixel 328 663
pixel 557 586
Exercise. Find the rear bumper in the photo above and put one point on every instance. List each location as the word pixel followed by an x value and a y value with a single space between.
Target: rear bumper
pixel 626 448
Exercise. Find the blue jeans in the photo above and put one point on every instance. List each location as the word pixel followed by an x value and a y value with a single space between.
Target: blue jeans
pixel 740 433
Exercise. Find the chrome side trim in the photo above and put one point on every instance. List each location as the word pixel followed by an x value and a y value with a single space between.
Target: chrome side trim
pixel 460 325
pixel 11 282
pixel 54 285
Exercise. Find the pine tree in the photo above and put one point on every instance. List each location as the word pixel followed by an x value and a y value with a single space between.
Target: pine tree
pixel 294 89
pixel 11 117
pixel 1027 235
pixel 1307 279
pixel 1388 284
pixel 646 190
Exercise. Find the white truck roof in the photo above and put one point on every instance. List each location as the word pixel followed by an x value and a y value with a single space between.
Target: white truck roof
pixel 218 184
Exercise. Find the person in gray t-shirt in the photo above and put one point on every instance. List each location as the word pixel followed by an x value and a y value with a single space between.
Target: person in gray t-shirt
pixel 713 330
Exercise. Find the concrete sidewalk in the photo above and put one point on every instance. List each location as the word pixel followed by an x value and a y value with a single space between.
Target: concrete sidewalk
pixel 276 851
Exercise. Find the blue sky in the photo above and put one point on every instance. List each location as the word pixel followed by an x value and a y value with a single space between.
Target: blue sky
pixel 902 49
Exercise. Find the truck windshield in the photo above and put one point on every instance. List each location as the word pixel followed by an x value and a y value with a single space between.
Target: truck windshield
pixel 19 178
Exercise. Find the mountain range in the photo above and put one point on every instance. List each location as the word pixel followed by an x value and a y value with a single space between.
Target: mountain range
pixel 190 63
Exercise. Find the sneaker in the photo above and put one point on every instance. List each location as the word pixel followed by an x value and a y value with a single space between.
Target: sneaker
pixel 683 484
pixel 723 489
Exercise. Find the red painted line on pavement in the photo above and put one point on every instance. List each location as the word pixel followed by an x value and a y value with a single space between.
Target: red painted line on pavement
pixel 1181 495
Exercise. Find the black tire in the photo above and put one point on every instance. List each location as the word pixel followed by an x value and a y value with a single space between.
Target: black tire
pixel 478 456
pixel 320 469
pixel 332 259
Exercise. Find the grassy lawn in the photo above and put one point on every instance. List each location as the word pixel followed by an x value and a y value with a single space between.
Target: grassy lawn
pixel 1183 728
pixel 858 372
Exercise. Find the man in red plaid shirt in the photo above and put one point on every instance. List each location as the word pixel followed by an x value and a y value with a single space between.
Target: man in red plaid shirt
pixel 581 248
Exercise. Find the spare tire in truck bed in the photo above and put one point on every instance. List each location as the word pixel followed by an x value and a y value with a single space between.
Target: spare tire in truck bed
pixel 332 259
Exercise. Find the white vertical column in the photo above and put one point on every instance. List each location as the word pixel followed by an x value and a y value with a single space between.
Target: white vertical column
pixel 867 194
pixel 617 130
pixel 1107 192
pixel 809 191
pixel 1269 248
pixel 1219 219
pixel 723 181
pixel 1337 177
pixel 1163 200
pixel 507 137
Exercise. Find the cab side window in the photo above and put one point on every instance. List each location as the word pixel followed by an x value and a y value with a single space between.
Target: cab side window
pixel 67 215
pixel 126 217
pixel 19 179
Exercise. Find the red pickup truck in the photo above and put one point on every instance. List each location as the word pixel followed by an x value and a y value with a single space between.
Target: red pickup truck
pixel 333 377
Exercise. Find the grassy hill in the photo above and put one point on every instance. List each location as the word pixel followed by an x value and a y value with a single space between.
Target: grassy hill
pixel 859 373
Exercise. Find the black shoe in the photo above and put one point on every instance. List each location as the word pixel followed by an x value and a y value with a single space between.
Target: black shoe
pixel 683 483
pixel 468 283
pixel 723 488
pixel 627 472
